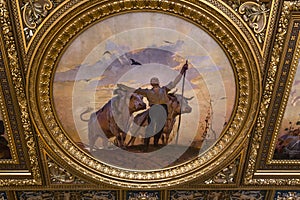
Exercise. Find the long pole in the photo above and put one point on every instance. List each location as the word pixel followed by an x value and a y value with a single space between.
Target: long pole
pixel 179 120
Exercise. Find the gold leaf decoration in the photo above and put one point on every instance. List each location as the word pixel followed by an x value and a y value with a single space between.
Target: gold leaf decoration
pixel 34 11
pixel 17 81
pixel 101 172
pixel 254 14
pixel 287 195
pixel 59 175
pixel 266 99
pixel 227 175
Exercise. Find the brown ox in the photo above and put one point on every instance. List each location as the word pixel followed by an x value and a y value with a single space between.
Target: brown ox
pixel 174 109
pixel 113 119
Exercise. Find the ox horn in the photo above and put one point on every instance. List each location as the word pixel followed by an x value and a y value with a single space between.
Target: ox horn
pixel 173 93
pixel 188 99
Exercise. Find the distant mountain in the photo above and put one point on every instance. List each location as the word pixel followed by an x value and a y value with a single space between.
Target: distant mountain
pixel 69 75
pixel 118 67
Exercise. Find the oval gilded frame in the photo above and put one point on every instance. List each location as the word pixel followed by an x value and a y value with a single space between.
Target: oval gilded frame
pixel 234 44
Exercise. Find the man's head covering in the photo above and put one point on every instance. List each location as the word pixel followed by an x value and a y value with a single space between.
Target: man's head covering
pixel 154 81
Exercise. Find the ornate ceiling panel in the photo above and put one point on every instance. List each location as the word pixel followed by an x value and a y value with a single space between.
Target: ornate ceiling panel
pixel 70 72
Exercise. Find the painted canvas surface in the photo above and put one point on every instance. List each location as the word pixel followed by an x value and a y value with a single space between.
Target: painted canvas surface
pixel 95 85
pixel 288 141
pixel 4 146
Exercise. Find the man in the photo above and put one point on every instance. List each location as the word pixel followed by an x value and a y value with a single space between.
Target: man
pixel 158 99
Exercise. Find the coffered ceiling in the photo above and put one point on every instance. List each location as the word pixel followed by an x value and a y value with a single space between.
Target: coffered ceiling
pixel 69 70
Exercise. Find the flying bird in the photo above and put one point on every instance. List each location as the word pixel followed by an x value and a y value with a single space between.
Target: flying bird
pixel 133 62
pixel 168 42
pixel 106 52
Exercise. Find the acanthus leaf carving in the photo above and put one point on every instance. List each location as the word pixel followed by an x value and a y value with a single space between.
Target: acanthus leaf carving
pixel 34 11
pixel 217 194
pixel 145 195
pixel 227 175
pixel 255 15
pixel 59 175
pixel 282 195
pixel 17 82
pixel 277 51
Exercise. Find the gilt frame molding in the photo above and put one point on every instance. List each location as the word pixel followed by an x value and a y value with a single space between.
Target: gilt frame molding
pixel 45 60
pixel 261 166
pixel 29 173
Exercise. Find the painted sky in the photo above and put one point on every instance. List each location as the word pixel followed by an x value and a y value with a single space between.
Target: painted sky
pixel 100 57
pixel 292 111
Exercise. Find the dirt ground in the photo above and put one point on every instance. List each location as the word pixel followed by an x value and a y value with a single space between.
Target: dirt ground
pixel 134 157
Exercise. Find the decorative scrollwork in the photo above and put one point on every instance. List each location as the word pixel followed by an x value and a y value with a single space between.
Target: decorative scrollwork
pixel 44 195
pixel 34 11
pixel 227 175
pixel 255 15
pixel 266 99
pixel 17 80
pixel 241 122
pixel 148 195
pixel 59 175
pixel 283 195
pixel 201 195
pixel 3 196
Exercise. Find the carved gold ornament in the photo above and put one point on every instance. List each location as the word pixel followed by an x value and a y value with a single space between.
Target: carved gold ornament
pixel 227 175
pixel 146 195
pixel 59 175
pixel 287 195
pixel 17 81
pixel 255 15
pixel 217 194
pixel 277 51
pixel 68 194
pixel 34 11
pixel 40 91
